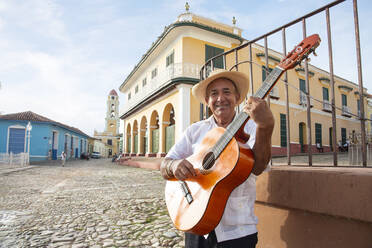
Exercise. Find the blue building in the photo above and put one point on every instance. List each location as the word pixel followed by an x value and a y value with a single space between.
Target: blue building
pixel 47 138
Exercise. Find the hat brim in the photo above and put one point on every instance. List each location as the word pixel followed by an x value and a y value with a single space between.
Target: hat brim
pixel 240 80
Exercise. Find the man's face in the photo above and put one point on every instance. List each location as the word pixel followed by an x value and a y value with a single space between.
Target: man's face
pixel 222 98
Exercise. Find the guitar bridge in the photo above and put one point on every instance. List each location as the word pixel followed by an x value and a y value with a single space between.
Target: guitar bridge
pixel 186 191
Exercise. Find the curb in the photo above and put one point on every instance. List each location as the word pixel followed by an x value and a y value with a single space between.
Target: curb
pixel 8 171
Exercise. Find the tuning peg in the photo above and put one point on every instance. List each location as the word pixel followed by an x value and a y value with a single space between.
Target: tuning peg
pixel 315 53
pixel 308 59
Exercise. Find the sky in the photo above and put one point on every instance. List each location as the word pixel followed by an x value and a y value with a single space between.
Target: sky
pixel 61 58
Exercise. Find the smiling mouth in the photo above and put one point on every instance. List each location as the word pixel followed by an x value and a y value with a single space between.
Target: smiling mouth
pixel 222 105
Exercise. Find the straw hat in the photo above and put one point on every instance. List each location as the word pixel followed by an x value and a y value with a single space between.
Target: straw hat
pixel 241 81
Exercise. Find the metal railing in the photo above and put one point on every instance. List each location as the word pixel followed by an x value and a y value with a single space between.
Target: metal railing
pixel 327 106
pixel 355 154
pixel 346 111
pixel 208 66
pixel 20 159
pixel 303 99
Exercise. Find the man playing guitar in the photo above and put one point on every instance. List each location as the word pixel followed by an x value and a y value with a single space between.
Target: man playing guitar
pixel 222 91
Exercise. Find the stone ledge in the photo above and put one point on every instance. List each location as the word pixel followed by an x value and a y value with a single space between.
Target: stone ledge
pixel 344 192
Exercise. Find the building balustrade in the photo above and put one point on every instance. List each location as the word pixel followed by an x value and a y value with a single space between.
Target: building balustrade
pixel 327 106
pixel 346 111
pixel 163 78
pixel 274 93
pixel 303 99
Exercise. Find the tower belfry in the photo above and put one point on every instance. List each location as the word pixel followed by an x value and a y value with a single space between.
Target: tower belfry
pixel 110 136
pixel 112 113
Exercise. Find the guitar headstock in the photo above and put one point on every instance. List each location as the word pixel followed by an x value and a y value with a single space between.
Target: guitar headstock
pixel 300 52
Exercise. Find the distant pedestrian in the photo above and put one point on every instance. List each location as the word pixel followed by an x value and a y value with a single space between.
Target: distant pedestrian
pixel 63 158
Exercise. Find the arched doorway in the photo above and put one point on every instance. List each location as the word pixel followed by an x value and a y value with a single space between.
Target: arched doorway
pixel 135 137
pixel 143 136
pixel 169 127
pixel 154 132
pixel 128 143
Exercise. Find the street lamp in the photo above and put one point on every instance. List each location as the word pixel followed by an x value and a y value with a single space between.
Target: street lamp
pixel 29 128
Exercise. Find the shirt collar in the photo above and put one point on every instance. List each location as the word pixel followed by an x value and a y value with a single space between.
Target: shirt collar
pixel 212 121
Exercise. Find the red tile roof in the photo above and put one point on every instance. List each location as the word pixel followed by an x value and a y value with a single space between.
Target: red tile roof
pixel 113 93
pixel 31 116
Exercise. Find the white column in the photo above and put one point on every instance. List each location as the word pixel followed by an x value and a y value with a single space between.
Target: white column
pixel 183 110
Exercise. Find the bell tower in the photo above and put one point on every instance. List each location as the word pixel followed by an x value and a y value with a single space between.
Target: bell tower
pixel 112 114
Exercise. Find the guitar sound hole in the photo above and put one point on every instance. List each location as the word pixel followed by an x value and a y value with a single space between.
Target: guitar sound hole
pixel 208 161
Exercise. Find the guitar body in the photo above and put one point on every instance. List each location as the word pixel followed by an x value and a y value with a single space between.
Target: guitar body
pixel 211 191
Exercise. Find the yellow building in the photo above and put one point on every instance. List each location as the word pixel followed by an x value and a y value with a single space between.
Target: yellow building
pixel 159 105
pixel 110 137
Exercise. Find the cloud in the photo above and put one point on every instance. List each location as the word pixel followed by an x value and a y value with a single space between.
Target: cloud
pixel 60 58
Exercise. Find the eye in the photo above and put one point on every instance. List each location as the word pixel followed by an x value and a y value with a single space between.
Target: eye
pixel 213 93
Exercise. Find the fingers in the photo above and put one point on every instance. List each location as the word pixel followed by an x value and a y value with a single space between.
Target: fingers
pixel 254 105
pixel 183 170
pixel 259 111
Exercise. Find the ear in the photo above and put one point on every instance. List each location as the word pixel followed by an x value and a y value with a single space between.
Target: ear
pixel 206 100
pixel 237 95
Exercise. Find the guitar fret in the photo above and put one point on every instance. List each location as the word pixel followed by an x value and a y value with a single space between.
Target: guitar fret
pixel 269 81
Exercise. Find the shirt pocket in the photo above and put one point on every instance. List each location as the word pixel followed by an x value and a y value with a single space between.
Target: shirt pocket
pixel 239 211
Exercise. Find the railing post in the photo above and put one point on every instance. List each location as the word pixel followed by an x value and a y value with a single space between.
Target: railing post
pixel 309 150
pixel 286 101
pixel 267 64
pixel 236 60
pixel 330 55
pixel 251 69
pixel 360 82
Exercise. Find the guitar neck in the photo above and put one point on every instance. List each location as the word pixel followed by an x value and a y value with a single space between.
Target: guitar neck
pixel 242 117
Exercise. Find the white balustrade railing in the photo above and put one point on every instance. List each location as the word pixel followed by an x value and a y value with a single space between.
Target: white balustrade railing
pixel 274 92
pixel 327 105
pixel 346 110
pixel 14 159
pixel 303 99
pixel 162 79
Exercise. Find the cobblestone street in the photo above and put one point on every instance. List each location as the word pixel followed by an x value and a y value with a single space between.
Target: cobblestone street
pixel 91 203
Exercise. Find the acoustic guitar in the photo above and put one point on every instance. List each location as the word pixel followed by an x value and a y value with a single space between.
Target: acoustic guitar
pixel 222 163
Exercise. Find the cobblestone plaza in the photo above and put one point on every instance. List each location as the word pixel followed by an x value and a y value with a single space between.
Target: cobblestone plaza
pixel 92 203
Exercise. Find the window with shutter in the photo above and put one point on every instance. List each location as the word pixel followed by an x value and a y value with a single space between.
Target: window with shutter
pixel 283 130
pixel 210 52
pixel 318 133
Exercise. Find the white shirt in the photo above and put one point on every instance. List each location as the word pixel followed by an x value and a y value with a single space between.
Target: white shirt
pixel 238 219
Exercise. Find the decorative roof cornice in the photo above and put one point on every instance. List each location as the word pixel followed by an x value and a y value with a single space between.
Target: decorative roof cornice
pixel 302 70
pixel 365 94
pixel 270 57
pixel 324 79
pixel 344 87
pixel 167 30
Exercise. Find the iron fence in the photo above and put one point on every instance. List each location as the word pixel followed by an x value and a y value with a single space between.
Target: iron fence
pixel 305 97
pixel 20 159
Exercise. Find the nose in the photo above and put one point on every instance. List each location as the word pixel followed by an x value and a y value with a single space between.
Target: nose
pixel 220 97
